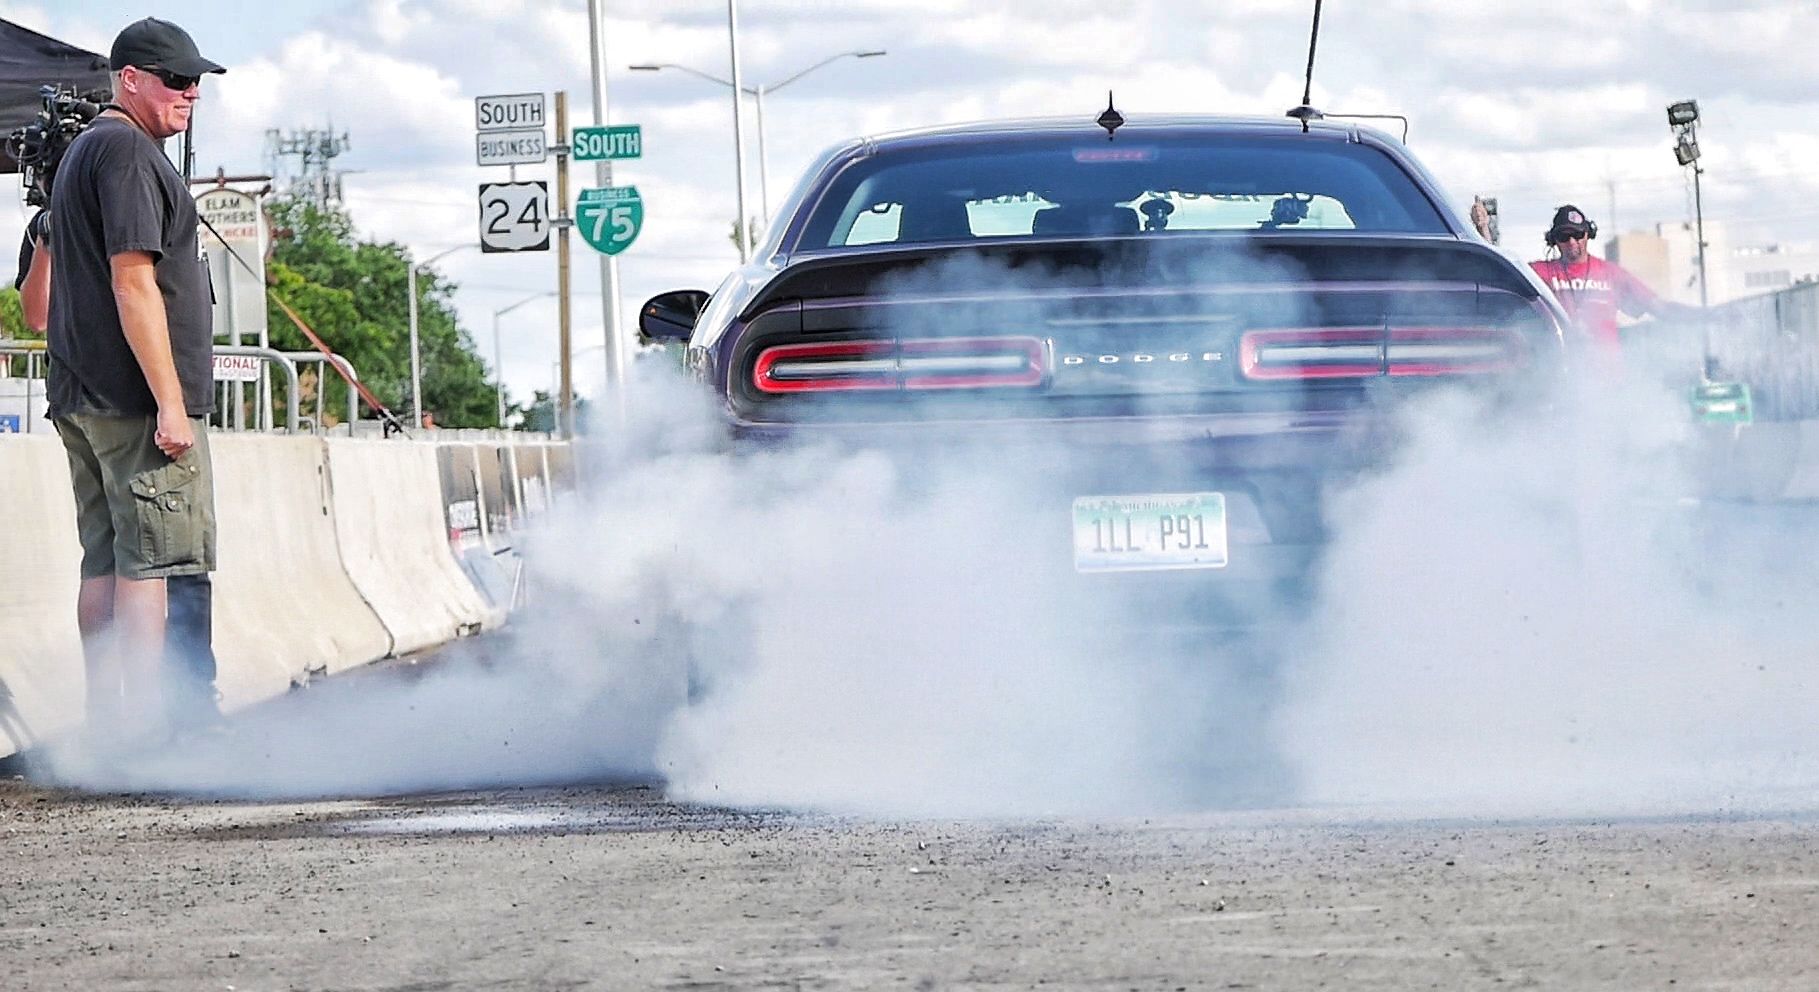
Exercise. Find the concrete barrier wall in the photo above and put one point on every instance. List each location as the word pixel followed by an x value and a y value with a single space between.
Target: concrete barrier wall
pixel 286 609
pixel 332 554
pixel 389 520
pixel 41 681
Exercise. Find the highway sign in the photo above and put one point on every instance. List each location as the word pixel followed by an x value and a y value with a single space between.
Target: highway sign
pixel 239 283
pixel 516 147
pixel 507 111
pixel 514 216
pixel 609 219
pixel 593 144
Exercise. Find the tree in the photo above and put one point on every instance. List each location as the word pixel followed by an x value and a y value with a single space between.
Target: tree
pixel 12 325
pixel 353 294
pixel 541 415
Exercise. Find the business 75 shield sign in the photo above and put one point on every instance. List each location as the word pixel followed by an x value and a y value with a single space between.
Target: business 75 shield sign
pixel 609 219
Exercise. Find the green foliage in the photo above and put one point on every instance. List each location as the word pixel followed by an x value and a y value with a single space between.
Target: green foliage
pixel 12 316
pixel 353 293
pixel 541 415
pixel 12 325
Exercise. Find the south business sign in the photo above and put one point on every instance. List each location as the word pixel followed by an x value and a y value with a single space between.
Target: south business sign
pixel 515 147
pixel 510 127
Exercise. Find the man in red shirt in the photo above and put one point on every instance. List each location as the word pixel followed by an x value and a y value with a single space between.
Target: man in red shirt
pixel 1591 289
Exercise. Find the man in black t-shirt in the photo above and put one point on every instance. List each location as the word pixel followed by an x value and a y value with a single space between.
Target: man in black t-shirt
pixel 130 378
pixel 189 649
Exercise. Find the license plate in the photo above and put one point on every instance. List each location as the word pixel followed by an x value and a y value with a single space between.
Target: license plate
pixel 1146 532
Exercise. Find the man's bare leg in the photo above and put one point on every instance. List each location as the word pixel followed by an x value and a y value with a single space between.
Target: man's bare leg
pixel 95 621
pixel 139 606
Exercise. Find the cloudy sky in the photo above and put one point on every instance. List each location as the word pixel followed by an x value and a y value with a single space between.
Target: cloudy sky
pixel 1533 101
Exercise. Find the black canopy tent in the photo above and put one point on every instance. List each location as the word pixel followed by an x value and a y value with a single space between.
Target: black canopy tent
pixel 28 61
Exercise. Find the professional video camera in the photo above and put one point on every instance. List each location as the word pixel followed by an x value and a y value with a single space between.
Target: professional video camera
pixel 40 145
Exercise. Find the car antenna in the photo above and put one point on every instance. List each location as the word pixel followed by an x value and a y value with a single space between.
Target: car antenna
pixel 1306 111
pixel 1111 120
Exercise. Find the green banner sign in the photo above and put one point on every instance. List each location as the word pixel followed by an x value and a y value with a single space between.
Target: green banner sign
pixel 1723 403
pixel 593 144
pixel 609 219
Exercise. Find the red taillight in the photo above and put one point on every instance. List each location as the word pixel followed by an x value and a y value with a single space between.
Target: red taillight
pixel 931 363
pixel 1361 352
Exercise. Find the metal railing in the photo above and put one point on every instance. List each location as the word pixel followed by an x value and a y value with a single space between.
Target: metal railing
pixel 321 362
pixel 35 359
pixel 35 364
pixel 292 413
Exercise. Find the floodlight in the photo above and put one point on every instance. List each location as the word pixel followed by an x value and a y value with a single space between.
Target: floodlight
pixel 1683 113
pixel 1686 150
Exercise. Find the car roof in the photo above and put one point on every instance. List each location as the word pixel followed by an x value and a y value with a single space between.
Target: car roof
pixel 1135 124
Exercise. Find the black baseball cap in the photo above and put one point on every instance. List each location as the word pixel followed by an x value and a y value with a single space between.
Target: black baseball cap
pixel 1569 218
pixel 153 43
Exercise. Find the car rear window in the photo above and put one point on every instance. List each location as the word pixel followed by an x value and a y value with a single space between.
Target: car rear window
pixel 1084 187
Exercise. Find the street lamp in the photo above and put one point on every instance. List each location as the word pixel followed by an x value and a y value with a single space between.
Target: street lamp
pixel 1683 117
pixel 416 350
pixel 758 92
pixel 498 352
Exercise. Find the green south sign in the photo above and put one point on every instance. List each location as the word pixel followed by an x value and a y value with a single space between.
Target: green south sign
pixel 596 144
pixel 609 219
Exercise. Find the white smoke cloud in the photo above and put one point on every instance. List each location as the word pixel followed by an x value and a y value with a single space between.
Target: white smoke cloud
pixel 1537 616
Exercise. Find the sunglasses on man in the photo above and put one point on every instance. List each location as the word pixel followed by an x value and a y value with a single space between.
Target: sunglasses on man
pixel 1573 235
pixel 170 79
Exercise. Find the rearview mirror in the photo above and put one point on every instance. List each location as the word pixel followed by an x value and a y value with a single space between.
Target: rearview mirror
pixel 671 316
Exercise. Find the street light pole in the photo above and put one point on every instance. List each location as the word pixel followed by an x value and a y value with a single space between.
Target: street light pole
pixel 499 351
pixel 416 348
pixel 732 30
pixel 764 166
pixel 603 177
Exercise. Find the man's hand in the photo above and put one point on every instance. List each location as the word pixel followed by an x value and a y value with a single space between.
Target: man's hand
pixel 174 435
pixel 1481 219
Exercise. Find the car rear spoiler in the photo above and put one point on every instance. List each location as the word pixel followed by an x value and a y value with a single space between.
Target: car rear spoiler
pixel 1147 262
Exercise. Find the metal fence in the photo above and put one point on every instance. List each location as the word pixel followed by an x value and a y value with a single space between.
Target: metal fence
pixel 1772 343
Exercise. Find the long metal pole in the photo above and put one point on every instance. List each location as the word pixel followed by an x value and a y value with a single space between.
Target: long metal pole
pixel 565 417
pixel 410 280
pixel 732 31
pixel 498 371
pixel 764 165
pixel 1699 229
pixel 610 309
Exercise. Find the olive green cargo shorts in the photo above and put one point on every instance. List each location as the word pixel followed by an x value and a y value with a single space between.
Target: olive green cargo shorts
pixel 139 514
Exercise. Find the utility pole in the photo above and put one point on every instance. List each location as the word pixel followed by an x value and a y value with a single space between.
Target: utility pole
pixel 1610 190
pixel 610 309
pixel 565 403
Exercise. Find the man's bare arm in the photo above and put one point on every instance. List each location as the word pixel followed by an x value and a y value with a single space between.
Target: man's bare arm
pixel 35 294
pixel 143 320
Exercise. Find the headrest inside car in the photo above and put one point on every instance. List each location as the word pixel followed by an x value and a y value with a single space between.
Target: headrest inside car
pixel 939 219
pixel 1068 221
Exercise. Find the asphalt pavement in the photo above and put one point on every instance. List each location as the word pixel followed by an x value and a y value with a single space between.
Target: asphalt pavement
pixel 616 888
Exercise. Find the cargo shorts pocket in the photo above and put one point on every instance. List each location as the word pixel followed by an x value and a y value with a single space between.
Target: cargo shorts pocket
pixel 170 522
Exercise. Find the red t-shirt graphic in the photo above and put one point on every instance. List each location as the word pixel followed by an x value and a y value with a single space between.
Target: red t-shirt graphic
pixel 1593 291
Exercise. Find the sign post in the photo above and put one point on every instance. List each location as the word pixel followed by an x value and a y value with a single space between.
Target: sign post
pixel 565 416
pixel 610 218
